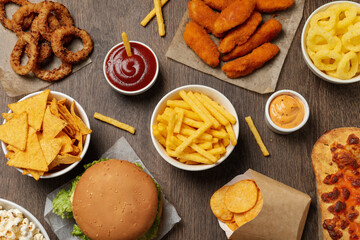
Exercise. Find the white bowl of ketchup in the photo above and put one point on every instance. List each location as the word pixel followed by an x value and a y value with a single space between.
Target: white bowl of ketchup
pixel 131 75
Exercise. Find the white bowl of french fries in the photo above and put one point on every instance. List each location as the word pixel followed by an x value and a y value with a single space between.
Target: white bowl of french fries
pixel 194 127
pixel 64 150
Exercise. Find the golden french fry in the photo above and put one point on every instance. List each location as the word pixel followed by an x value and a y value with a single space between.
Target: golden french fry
pixel 220 109
pixel 196 157
pixel 188 132
pixel 126 44
pixel 217 150
pixel 257 136
pixel 205 145
pixel 178 103
pixel 159 18
pixel 170 128
pixel 199 149
pixel 114 122
pixel 211 109
pixel 218 134
pixel 215 122
pixel 151 14
pixel 231 133
pixel 188 141
pixel 179 121
pixel 193 106
pixel 158 136
pixel 192 123
pixel 189 114
pixel 226 141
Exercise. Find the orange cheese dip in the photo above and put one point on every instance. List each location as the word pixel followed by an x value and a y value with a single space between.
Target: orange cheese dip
pixel 286 111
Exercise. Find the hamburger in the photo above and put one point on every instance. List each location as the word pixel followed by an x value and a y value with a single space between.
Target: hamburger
pixel 113 199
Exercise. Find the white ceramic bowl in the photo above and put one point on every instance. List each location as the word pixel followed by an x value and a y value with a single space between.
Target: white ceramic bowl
pixel 7 205
pixel 80 112
pixel 147 87
pixel 281 130
pixel 174 94
pixel 306 57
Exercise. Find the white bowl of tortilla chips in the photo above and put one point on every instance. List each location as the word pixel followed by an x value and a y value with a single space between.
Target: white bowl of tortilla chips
pixel 57 134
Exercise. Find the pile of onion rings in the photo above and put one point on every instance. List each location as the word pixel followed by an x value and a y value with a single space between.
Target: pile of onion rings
pixel 43 29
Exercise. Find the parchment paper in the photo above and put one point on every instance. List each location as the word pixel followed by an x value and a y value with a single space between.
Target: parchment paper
pixel 263 80
pixel 282 216
pixel 14 84
pixel 120 150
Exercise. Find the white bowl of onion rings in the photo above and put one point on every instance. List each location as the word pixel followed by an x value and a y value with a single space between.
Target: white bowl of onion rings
pixel 321 56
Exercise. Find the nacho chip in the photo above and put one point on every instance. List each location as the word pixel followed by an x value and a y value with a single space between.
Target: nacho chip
pixel 33 157
pixel 34 107
pixel 218 207
pixel 14 132
pixel 241 196
pixel 52 125
pixel 66 115
pixel 8 116
pixel 53 108
pixel 10 154
pixel 62 101
pixel 50 148
pixel 66 143
pixel 64 159
pixel 82 126
pixel 35 174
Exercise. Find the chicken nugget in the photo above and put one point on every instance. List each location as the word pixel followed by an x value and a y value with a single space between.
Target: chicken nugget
pixel 269 6
pixel 241 33
pixel 200 41
pixel 268 31
pixel 247 64
pixel 203 15
pixel 218 4
pixel 234 14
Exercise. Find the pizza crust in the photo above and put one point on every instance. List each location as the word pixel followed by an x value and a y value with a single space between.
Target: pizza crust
pixel 323 165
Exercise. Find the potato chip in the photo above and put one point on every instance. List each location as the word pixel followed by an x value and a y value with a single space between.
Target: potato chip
pixel 217 204
pixel 50 148
pixel 14 132
pixel 241 196
pixel 242 218
pixel 232 225
pixel 52 125
pixel 33 157
pixel 34 107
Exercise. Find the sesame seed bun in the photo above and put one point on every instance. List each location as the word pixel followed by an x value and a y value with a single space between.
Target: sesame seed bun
pixel 115 199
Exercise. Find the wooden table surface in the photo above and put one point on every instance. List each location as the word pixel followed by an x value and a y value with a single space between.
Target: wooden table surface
pixel 331 106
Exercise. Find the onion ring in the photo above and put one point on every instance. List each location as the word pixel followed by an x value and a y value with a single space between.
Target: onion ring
pixel 45 51
pixel 61 13
pixel 64 54
pixel 54 74
pixel 6 22
pixel 15 57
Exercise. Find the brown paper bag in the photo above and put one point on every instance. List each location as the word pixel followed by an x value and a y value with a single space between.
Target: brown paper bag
pixel 282 216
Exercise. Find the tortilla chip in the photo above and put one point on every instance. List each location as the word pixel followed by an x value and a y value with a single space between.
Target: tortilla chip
pixel 53 108
pixel 66 143
pixel 52 125
pixel 35 174
pixel 14 132
pixel 8 116
pixel 33 157
pixel 62 101
pixel 34 107
pixel 10 154
pixel 50 148
pixel 66 115
pixel 82 126
pixel 64 159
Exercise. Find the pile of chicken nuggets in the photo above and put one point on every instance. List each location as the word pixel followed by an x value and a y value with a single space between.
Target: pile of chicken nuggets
pixel 237 23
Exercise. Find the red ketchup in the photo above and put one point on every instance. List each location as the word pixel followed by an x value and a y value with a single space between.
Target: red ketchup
pixel 130 73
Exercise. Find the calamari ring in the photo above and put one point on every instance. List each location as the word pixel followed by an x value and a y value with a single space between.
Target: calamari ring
pixel 348 66
pixel 61 13
pixel 351 40
pixel 348 11
pixel 63 53
pixel 15 57
pixel 6 22
pixel 316 33
pixel 54 74
pixel 325 20
pixel 326 60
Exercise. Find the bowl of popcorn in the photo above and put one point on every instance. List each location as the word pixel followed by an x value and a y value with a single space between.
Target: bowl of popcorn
pixel 330 42
pixel 19 223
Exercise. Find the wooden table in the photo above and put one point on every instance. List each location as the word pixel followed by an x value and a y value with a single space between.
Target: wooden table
pixel 331 106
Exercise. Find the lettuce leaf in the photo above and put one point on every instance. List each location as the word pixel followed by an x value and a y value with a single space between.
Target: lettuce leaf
pixel 77 232
pixel 86 166
pixel 61 204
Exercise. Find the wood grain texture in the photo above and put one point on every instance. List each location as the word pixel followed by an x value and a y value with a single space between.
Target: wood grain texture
pixel 331 106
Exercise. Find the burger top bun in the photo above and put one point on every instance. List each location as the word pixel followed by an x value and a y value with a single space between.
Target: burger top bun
pixel 115 199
